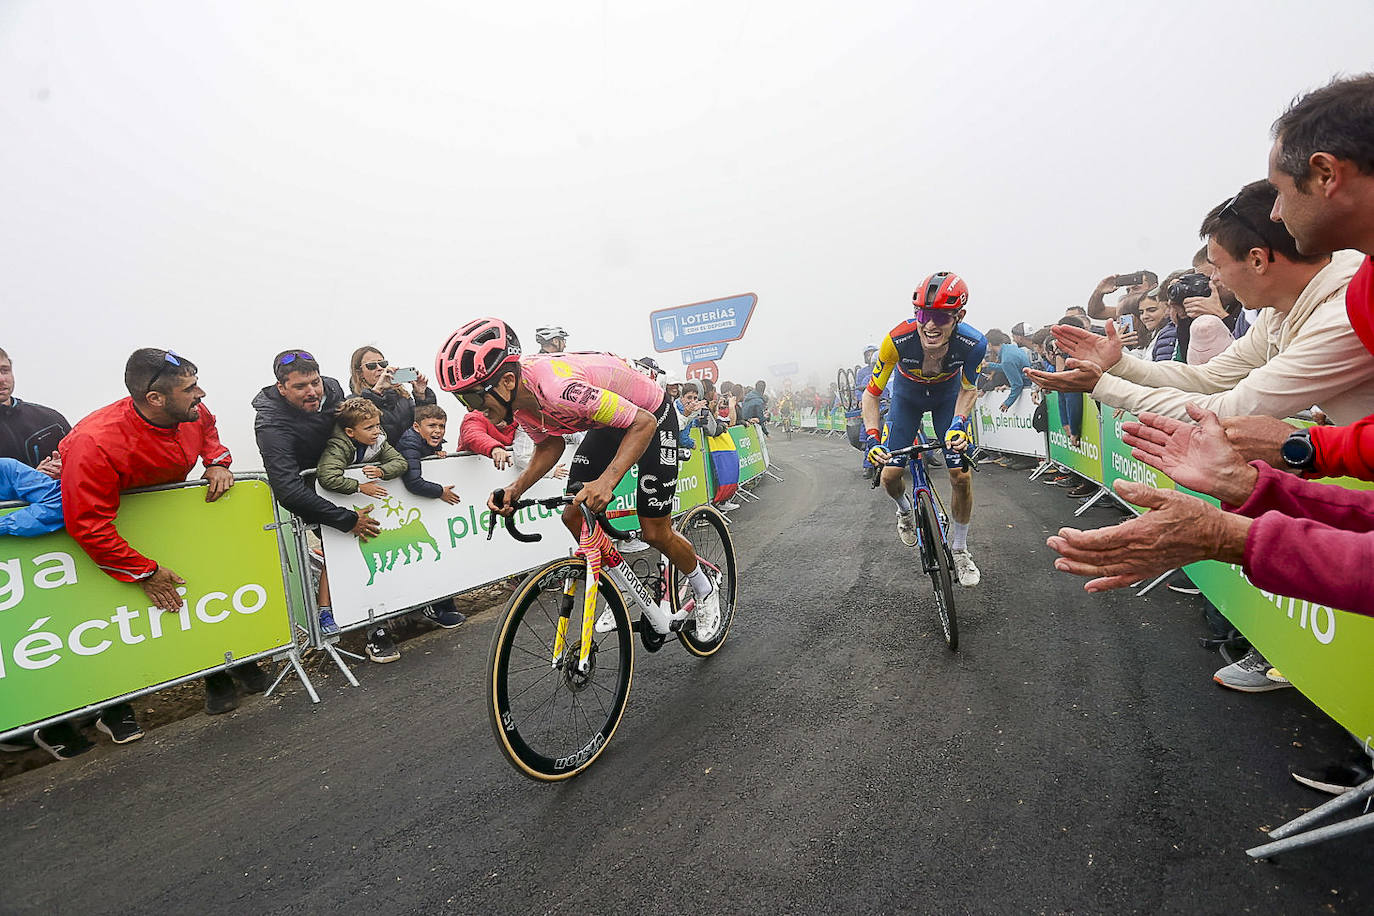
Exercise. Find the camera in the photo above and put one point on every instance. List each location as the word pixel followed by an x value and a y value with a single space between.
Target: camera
pixel 1189 286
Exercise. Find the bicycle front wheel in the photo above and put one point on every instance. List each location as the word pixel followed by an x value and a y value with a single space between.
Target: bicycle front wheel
pixel 939 563
pixel 705 528
pixel 551 716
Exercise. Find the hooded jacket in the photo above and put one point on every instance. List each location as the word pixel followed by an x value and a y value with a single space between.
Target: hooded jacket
pixel 291 440
pixel 116 449
pixel 341 451
pixel 1283 364
pixel 398 411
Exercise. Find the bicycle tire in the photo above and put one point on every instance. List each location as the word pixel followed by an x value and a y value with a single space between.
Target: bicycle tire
pixel 567 730
pixel 709 535
pixel 939 564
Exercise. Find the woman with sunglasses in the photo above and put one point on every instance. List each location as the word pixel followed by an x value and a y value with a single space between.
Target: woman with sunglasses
pixel 936 357
pixel 371 377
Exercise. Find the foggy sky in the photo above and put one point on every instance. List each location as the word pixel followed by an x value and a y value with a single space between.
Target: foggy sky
pixel 230 180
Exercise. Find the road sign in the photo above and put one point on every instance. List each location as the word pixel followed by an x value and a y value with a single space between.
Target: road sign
pixel 784 370
pixel 705 369
pixel 697 354
pixel 710 322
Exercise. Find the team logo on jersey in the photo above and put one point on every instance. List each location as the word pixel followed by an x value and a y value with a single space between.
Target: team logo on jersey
pixel 578 393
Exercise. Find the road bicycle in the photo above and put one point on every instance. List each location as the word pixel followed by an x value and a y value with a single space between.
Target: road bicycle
pixel 932 535
pixel 559 682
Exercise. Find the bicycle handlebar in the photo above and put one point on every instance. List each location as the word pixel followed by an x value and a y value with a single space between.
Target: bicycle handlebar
pixel 548 502
pixel 967 461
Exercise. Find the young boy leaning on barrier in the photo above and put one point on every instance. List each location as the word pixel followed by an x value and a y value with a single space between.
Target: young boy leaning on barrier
pixel 425 439
pixel 358 438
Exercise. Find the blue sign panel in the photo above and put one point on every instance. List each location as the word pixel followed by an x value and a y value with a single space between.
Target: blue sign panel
pixel 701 323
pixel 703 354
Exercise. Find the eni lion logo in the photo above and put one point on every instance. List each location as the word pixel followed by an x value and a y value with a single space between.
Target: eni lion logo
pixel 382 552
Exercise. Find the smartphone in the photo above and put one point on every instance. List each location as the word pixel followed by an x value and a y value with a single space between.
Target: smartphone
pixel 1125 324
pixel 1130 279
pixel 408 374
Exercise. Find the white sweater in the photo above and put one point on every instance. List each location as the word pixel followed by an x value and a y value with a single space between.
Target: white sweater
pixel 1283 364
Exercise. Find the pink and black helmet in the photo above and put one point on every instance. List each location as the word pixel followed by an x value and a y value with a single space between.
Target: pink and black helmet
pixel 475 353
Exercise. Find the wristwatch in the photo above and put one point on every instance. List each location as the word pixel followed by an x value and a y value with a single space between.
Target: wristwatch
pixel 1297 450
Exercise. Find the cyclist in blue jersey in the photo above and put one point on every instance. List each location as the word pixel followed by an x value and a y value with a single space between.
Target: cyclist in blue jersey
pixel 936 357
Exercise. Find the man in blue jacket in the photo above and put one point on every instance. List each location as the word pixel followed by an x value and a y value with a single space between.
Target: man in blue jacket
pixel 1012 360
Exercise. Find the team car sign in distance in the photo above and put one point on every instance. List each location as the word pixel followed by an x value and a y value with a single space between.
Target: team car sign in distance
pixel 701 323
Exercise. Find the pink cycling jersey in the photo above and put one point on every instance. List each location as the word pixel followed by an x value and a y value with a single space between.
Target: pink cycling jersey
pixel 580 391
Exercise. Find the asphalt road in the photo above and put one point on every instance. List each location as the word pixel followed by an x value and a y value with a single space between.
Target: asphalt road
pixel 1073 757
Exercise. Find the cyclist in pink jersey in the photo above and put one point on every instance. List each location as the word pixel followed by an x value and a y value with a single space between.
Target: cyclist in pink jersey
pixel 629 420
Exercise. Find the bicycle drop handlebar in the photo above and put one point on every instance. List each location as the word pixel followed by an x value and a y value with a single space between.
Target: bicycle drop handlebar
pixel 968 462
pixel 548 502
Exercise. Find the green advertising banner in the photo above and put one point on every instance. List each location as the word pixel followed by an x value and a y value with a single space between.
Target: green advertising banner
pixel 1324 652
pixel 749 446
pixel 70 636
pixel 693 488
pixel 1117 463
pixel 1083 456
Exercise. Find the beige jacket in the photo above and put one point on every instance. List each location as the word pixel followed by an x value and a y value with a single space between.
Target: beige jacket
pixel 1283 364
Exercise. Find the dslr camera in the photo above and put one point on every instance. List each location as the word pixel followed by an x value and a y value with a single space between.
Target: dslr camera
pixel 1189 286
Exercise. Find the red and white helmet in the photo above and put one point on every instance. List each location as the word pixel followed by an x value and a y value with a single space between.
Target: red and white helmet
pixel 475 353
pixel 943 290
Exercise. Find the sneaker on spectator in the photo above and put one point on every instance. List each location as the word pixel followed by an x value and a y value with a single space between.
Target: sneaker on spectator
pixel 445 615
pixel 221 694
pixel 965 572
pixel 1054 480
pixel 18 744
pixel 728 506
pixel 631 544
pixel 1336 779
pixel 119 723
pixel 381 648
pixel 1082 490
pixel 251 677
pixel 63 740
pixel 1247 675
pixel 327 625
pixel 906 527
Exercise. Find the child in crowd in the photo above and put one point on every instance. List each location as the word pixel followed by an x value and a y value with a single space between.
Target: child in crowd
pixel 358 438
pixel 477 434
pixel 425 439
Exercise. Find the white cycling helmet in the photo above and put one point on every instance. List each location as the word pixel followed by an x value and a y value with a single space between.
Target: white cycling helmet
pixel 544 335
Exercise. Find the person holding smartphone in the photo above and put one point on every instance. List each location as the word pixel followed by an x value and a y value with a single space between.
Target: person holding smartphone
pixel 1136 286
pixel 373 377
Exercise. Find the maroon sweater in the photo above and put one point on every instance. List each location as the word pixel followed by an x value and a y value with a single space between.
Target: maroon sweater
pixel 1310 540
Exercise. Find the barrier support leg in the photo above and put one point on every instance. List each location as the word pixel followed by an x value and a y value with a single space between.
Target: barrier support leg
pixel 1090 502
pixel 293 663
pixel 334 652
pixel 769 471
pixel 1294 835
pixel 1045 465
pixel 1155 584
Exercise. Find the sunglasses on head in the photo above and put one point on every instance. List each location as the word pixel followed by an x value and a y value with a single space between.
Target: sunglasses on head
pixel 939 316
pixel 170 358
pixel 287 359
pixel 1230 208
pixel 375 365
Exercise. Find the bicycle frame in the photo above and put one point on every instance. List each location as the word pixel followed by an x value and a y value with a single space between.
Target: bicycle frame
pixel 603 558
pixel 920 480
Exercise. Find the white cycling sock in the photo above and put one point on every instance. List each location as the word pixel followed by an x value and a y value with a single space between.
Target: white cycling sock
pixel 700 582
pixel 958 535
pixel 903 503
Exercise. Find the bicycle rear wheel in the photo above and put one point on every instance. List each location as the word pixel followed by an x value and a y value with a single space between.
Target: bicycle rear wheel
pixel 705 528
pixel 552 720
pixel 939 563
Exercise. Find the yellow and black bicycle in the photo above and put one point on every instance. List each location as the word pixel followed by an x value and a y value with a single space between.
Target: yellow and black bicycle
pixel 562 656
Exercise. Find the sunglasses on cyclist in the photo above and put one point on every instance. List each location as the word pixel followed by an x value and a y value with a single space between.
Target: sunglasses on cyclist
pixel 170 358
pixel 473 398
pixel 375 365
pixel 941 317
pixel 1229 208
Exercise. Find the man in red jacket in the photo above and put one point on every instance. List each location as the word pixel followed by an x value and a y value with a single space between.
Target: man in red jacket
pixel 154 436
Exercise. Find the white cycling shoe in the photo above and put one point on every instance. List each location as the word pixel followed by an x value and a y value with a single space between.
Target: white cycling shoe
pixel 605 623
pixel 964 569
pixel 708 615
pixel 906 527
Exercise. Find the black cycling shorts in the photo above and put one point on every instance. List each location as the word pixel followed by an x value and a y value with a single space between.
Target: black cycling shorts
pixel 657 467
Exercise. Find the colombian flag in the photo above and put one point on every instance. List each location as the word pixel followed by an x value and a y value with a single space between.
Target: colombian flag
pixel 725 463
